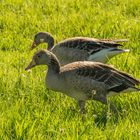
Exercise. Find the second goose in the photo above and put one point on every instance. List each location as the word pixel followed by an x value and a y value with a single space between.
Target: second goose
pixel 80 48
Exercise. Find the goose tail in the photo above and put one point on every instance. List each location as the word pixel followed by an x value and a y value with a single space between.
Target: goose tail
pixel 119 50
pixel 120 40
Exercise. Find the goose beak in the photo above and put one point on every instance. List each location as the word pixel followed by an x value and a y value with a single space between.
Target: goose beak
pixel 31 65
pixel 33 46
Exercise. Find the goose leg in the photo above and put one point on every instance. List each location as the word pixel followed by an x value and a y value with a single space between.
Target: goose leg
pixel 113 107
pixel 82 106
pixel 101 96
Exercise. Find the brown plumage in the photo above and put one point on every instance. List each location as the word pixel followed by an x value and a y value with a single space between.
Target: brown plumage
pixel 84 80
pixel 80 48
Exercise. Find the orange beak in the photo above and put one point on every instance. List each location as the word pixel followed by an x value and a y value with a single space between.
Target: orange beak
pixel 33 46
pixel 31 65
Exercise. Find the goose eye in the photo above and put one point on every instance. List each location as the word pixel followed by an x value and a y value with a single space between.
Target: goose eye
pixel 39 56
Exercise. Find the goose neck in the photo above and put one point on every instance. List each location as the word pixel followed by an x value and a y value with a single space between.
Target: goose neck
pixel 50 41
pixel 54 66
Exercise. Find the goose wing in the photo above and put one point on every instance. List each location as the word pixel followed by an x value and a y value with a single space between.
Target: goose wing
pixel 115 80
pixel 91 45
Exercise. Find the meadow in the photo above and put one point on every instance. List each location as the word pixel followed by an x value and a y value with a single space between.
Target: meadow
pixel 28 110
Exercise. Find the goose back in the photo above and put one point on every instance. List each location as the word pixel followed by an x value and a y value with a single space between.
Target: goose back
pixel 82 48
pixel 89 76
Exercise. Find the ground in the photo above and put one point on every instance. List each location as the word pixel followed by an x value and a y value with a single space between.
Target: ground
pixel 28 110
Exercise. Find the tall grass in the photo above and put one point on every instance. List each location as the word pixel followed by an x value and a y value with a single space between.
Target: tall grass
pixel 28 110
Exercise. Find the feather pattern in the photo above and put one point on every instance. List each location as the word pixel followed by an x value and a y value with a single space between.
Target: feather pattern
pixel 90 45
pixel 108 75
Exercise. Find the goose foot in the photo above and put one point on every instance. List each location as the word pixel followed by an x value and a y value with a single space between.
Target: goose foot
pixel 82 106
pixel 113 108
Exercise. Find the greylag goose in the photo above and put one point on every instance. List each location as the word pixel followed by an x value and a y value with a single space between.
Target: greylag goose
pixel 80 48
pixel 83 80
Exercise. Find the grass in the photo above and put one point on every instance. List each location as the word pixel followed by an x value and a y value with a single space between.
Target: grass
pixel 28 110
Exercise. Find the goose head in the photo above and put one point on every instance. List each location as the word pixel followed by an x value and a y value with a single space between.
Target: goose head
pixel 42 37
pixel 44 57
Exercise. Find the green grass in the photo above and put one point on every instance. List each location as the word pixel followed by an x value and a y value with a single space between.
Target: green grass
pixel 28 110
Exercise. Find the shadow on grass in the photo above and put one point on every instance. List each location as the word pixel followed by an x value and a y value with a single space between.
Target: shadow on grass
pixel 107 116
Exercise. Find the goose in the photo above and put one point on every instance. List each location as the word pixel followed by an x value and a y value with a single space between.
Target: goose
pixel 80 48
pixel 84 80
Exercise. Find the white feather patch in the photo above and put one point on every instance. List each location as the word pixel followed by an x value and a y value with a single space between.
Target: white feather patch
pixel 105 54
pixel 41 40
